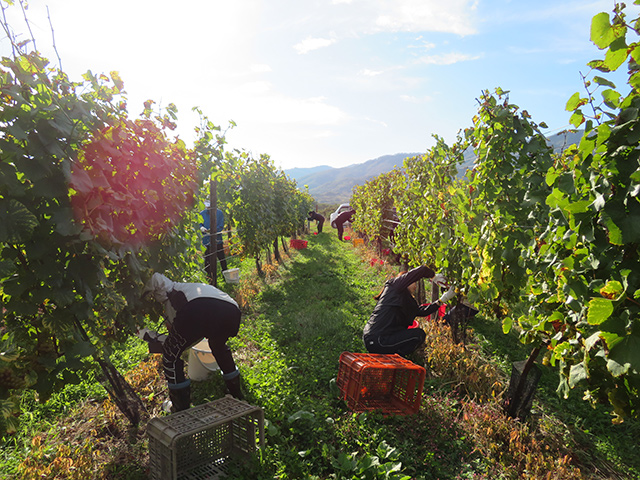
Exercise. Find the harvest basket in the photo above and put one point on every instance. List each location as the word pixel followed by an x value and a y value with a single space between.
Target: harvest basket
pixel 200 442
pixel 297 243
pixel 389 383
pixel 232 275
pixel 201 361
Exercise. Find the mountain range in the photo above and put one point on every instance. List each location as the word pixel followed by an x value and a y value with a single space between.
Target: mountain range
pixel 335 185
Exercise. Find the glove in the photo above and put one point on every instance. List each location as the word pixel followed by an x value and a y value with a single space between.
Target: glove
pixel 439 280
pixel 448 295
pixel 142 332
pixel 204 230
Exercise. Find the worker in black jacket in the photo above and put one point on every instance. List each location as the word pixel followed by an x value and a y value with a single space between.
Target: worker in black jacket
pixel 316 216
pixel 387 330
pixel 194 311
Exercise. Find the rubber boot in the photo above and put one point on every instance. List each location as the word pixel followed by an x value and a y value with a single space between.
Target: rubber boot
pixel 180 398
pixel 233 387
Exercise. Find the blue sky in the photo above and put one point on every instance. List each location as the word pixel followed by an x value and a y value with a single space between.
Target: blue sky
pixel 326 82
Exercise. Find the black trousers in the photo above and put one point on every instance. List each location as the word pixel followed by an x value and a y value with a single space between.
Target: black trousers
pixel 218 251
pixel 403 342
pixel 320 224
pixel 210 318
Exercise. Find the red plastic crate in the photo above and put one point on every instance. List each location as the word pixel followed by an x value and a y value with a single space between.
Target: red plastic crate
pixel 297 243
pixel 390 383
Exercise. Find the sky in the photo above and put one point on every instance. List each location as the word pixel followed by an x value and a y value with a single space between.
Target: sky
pixel 324 82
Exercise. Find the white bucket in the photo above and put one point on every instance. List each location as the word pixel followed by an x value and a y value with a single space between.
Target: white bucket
pixel 232 275
pixel 201 361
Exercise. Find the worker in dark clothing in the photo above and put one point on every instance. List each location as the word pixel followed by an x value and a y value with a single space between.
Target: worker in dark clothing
pixel 316 216
pixel 212 248
pixel 342 219
pixel 387 330
pixel 194 311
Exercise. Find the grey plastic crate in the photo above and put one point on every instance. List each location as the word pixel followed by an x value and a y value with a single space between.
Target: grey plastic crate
pixel 197 443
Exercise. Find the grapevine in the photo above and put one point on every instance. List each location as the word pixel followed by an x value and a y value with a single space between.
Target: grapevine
pixel 547 242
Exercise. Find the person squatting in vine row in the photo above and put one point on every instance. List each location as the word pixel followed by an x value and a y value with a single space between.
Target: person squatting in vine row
pixel 194 311
pixel 387 330
pixel 316 216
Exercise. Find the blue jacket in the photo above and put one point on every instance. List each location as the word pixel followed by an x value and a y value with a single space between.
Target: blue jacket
pixel 219 226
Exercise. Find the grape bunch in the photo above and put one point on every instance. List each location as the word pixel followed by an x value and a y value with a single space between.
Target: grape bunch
pixel 46 347
pixel 9 380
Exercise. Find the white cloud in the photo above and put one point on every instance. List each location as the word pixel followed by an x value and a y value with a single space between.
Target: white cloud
pixel 371 73
pixel 254 88
pixel 414 99
pixel 570 11
pixel 423 45
pixel 255 103
pixel 260 68
pixel 453 16
pixel 322 134
pixel 375 121
pixel 448 58
pixel 309 44
pixel 351 19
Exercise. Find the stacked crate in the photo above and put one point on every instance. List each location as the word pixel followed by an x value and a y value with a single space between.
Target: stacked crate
pixel 198 443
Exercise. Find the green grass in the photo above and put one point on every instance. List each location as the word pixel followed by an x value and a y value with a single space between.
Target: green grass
pixel 294 328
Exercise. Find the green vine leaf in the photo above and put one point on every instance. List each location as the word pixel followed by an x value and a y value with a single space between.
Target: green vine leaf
pixel 577 373
pixel 627 352
pixel 612 290
pixel 600 309
pixel 634 51
pixel 577 119
pixel 617 369
pixel 574 102
pixel 507 324
pixel 603 81
pixel 615 57
pixel 602 34
pixel 16 222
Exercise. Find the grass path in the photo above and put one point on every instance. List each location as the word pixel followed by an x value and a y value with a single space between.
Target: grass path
pixel 305 320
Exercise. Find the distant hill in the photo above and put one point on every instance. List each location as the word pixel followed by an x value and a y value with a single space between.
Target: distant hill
pixel 297 173
pixel 560 141
pixel 335 185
